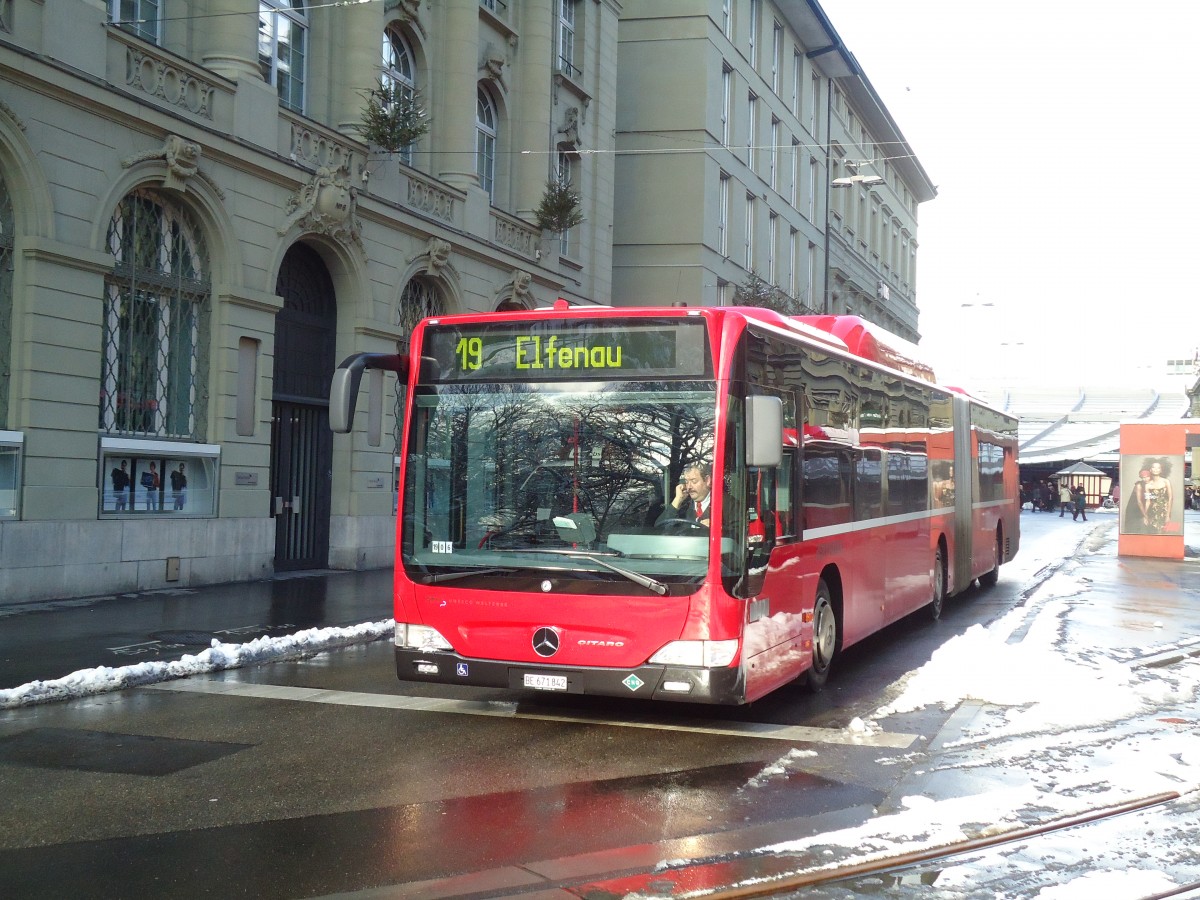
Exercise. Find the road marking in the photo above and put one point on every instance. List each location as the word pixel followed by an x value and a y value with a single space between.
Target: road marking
pixel 508 710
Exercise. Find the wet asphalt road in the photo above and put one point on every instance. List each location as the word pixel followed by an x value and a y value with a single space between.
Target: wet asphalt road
pixel 328 776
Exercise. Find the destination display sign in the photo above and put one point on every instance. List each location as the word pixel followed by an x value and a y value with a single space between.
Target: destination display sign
pixel 571 350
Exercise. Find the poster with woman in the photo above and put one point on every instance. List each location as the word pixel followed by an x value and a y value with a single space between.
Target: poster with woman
pixel 1152 495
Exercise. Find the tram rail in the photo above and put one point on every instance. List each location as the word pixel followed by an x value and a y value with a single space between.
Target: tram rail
pixel 690 884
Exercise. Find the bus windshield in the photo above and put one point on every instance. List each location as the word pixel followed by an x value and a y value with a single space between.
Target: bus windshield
pixel 504 477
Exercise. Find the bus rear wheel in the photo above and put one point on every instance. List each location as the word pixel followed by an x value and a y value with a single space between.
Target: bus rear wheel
pixel 989 579
pixel 825 637
pixel 939 586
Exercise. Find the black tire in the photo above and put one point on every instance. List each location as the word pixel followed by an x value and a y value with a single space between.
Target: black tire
pixel 939 586
pixel 989 579
pixel 826 637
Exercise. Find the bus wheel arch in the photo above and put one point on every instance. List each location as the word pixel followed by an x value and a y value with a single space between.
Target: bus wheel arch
pixel 827 627
pixel 988 579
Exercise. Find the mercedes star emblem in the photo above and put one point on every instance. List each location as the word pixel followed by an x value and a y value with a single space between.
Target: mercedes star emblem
pixel 545 642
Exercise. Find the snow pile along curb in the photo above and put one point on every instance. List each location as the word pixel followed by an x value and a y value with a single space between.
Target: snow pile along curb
pixel 219 656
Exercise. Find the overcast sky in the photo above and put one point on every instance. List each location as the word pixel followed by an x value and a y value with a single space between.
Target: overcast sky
pixel 1061 135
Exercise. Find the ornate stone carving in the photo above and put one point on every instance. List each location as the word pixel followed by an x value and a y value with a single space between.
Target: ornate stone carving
pixel 569 132
pixel 182 159
pixel 430 199
pixel 406 11
pixel 8 111
pixel 160 78
pixel 493 65
pixel 437 256
pixel 319 150
pixel 327 204
pixel 515 294
pixel 521 238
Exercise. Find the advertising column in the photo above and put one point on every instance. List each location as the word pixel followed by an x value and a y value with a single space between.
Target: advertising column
pixel 1151 489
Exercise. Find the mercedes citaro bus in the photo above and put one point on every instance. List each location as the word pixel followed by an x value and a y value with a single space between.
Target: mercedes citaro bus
pixel 539 448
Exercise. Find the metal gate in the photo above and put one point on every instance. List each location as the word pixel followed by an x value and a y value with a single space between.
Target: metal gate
pixel 301 442
pixel 301 447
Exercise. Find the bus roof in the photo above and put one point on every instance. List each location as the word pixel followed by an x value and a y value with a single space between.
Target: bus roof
pixel 870 341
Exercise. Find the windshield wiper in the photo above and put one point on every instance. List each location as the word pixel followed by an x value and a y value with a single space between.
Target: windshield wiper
pixel 465 573
pixel 636 577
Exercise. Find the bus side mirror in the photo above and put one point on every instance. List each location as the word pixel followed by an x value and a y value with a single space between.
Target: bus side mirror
pixel 343 392
pixel 764 431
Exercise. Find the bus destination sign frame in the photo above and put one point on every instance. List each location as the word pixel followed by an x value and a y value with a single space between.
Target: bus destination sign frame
pixel 600 349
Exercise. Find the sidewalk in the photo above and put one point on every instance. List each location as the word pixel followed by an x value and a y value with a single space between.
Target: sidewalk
pixel 51 639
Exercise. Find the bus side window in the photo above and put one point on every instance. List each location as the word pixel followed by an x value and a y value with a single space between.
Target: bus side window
pixel 826 494
pixel 868 484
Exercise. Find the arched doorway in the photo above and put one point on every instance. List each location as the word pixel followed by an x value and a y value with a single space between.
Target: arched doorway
pixel 301 442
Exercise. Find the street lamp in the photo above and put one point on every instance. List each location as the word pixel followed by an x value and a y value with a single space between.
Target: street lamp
pixel 851 180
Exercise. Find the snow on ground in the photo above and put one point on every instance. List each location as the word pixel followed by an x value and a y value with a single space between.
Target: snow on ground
pixel 219 656
pixel 781 766
pixel 1051 729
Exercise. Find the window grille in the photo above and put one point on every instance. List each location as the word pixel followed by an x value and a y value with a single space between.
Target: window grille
pixel 6 296
pixel 156 311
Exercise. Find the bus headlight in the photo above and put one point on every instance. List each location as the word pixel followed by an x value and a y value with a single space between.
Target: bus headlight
pixel 420 637
pixel 699 654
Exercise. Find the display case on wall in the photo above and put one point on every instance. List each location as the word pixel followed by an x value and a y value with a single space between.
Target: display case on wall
pixel 157 478
pixel 11 445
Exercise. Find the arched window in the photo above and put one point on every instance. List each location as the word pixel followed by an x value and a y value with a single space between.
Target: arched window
pixel 156 307
pixel 398 75
pixel 6 296
pixel 486 132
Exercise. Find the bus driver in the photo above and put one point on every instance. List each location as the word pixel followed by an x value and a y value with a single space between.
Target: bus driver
pixel 693 495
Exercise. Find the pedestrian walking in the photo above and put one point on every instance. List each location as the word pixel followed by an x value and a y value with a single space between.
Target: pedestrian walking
pixel 1080 508
pixel 1064 499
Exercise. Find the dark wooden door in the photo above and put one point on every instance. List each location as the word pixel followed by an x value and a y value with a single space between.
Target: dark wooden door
pixel 301 442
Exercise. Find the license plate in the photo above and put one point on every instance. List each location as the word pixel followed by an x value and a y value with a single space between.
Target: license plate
pixel 545 682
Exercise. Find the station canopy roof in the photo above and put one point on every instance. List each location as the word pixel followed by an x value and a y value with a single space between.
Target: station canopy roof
pixel 1061 426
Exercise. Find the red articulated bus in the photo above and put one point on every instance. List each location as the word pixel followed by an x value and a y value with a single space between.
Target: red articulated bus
pixel 540 449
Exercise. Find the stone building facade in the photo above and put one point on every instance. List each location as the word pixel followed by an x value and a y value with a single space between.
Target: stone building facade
pixel 193 234
pixel 754 154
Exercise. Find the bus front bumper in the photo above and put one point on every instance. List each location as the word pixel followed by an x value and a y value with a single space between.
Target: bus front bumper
pixel 725 685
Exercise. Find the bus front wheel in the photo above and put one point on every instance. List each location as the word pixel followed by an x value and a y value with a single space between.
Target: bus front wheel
pixel 825 637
